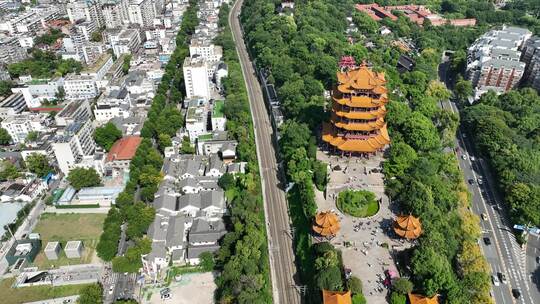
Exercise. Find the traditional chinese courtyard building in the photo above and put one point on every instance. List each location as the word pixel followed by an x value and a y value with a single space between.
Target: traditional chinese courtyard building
pixel 357 123
pixel 336 297
pixel 408 226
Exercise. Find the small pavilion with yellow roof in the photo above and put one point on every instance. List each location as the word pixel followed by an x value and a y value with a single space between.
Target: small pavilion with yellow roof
pixel 326 224
pixel 408 226
pixel 420 299
pixel 357 123
pixel 336 297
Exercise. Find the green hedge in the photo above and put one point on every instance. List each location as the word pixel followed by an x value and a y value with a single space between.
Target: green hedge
pixel 82 206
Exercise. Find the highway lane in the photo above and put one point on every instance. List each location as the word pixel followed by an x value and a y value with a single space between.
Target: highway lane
pixel 504 254
pixel 281 253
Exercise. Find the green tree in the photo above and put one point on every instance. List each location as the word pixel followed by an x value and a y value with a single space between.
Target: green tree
pixel 91 294
pixel 330 279
pixel 164 141
pixel 9 171
pixel 355 285
pixel 207 261
pixel 106 135
pixel 96 36
pixel 420 133
pixel 32 136
pixel 186 147
pixel 396 298
pixel 81 177
pixel 320 174
pixel 39 164
pixel 5 88
pixel 5 138
pixel 359 299
pixel 226 181
pixel 139 216
pixel 402 286
pixel 126 64
pixel 131 260
pixel 326 260
pixel 463 89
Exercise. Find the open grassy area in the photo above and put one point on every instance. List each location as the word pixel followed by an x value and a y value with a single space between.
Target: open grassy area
pixel 68 227
pixel 10 295
pixel 359 203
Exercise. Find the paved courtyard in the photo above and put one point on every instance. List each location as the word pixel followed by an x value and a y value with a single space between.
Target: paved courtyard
pixel 364 243
pixel 193 288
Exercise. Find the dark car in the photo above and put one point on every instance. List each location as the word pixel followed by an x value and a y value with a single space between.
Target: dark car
pixel 471 181
pixel 516 293
pixel 502 277
pixel 487 241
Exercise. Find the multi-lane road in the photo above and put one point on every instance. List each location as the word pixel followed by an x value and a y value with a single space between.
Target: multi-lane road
pixel 282 265
pixel 503 253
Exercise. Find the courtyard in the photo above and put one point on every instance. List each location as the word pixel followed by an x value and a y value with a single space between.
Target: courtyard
pixel 365 243
pixel 192 288
pixel 69 227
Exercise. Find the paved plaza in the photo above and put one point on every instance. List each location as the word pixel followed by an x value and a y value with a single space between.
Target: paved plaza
pixel 364 243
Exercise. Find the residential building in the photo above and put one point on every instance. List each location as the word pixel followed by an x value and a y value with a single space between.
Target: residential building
pixel 115 13
pixel 357 123
pixel 531 57
pixel 18 126
pixel 75 111
pixel 493 60
pixel 217 117
pixel 72 144
pixel 37 91
pixel 122 152
pixel 80 87
pixel 11 51
pixel 196 122
pixel 126 41
pixel 12 105
pixel 206 49
pixel 89 10
pixel 141 12
pixel 196 77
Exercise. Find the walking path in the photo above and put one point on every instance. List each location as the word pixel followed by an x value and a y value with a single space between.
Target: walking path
pixel 364 243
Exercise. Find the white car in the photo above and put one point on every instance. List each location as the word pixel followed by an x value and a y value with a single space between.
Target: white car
pixel 111 289
pixel 472 158
pixel 495 280
pixel 464 156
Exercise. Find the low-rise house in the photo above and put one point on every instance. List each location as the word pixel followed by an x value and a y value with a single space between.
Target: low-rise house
pixel 122 151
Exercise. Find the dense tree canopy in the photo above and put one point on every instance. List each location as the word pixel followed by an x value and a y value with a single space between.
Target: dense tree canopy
pixel 82 177
pixel 39 164
pixel 91 294
pixel 106 135
pixel 44 65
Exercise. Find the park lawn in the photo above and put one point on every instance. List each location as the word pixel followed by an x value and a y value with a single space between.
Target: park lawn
pixel 68 227
pixel 10 295
pixel 358 203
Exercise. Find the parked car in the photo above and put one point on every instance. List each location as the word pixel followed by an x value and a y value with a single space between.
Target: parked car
pixel 484 217
pixel 480 180
pixel 464 156
pixel 471 181
pixel 495 280
pixel 516 293
pixel 487 241
pixel 111 289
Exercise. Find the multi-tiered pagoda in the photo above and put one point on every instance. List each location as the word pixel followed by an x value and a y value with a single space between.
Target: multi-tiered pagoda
pixel 357 123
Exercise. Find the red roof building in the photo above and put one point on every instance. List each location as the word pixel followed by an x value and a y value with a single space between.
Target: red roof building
pixel 123 150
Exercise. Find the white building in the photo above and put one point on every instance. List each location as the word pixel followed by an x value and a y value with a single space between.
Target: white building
pixel 126 41
pixel 206 49
pixel 115 13
pixel 39 90
pixel 72 144
pixel 196 78
pixel 12 105
pixel 141 12
pixel 18 126
pixel 196 121
pixel 80 87
pixel 89 10
pixel 74 111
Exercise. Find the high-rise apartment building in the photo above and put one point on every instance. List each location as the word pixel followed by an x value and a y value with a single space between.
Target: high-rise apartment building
pixel 196 77
pixel 493 60
pixel 531 57
pixel 89 10
pixel 141 12
pixel 73 143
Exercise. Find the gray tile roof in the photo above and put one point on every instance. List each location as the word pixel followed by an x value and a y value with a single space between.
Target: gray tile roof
pixel 175 231
pixel 195 252
pixel 212 198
